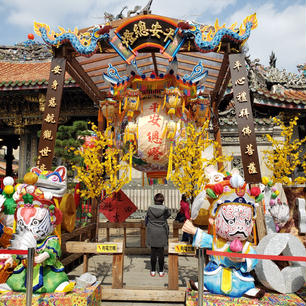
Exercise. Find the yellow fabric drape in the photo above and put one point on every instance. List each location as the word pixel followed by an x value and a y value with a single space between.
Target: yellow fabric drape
pixel 226 282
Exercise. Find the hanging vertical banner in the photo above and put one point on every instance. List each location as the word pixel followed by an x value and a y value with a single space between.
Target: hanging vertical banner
pixel 51 113
pixel 244 117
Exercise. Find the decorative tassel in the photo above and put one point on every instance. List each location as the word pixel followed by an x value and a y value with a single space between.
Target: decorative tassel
pixel 125 103
pixel 14 226
pixel 120 107
pixel 125 135
pixel 130 162
pixel 263 205
pixel 137 137
pixel 183 107
pixel 214 232
pixel 100 115
pixel 164 131
pixel 111 139
pixel 171 111
pixel 159 105
pixel 165 100
pixel 254 234
pixel 170 162
pixel 137 102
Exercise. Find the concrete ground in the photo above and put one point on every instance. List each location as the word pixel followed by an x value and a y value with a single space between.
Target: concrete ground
pixel 136 270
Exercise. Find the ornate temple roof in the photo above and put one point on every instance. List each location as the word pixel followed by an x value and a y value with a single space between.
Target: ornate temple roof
pixel 276 88
pixel 26 51
pixel 26 65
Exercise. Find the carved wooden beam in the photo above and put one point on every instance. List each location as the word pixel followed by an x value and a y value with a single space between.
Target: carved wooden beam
pixel 244 117
pixel 86 83
pixel 52 110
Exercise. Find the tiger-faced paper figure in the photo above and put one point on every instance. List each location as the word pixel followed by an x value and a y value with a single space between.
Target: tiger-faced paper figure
pixel 36 217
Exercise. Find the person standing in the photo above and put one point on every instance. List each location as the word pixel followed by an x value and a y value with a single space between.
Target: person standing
pixel 185 210
pixel 157 231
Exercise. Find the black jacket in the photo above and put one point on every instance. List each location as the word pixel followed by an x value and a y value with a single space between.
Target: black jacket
pixel 157 226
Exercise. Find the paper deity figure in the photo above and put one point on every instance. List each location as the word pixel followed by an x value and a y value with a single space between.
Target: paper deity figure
pixel 231 218
pixel 173 99
pixel 131 133
pixel 201 109
pixel 131 102
pixel 109 110
pixel 36 218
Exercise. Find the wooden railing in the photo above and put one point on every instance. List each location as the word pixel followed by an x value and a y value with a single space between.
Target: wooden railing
pixel 136 225
pixel 175 250
pixel 79 234
pixel 115 248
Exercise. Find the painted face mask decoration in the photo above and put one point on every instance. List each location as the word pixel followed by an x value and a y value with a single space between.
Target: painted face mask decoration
pixel 35 220
pixel 36 213
pixel 234 222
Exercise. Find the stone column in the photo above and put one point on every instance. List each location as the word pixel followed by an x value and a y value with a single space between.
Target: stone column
pixel 22 155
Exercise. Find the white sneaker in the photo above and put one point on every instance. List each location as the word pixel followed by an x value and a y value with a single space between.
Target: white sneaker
pixel 152 273
pixel 162 274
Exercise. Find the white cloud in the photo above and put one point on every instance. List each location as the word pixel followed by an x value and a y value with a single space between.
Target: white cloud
pixel 58 12
pixel 84 13
pixel 187 9
pixel 283 32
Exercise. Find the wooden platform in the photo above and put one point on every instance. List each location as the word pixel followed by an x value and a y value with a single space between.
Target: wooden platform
pixel 143 294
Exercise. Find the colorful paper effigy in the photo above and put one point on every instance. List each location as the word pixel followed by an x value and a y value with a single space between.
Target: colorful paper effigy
pixel 232 215
pixel 55 182
pixel 276 210
pixel 36 217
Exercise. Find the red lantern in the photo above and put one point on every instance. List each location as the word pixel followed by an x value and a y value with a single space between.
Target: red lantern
pixel 30 36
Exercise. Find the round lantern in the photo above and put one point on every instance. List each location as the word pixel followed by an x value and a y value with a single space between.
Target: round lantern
pixel 152 131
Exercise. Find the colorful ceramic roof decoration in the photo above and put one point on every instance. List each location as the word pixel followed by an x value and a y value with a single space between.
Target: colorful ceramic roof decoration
pixel 276 88
pixel 83 43
pixel 206 38
pixel 209 38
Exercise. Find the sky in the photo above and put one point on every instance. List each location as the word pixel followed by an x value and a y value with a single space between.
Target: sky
pixel 281 23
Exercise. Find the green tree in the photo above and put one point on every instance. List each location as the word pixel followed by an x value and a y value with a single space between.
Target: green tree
pixel 69 136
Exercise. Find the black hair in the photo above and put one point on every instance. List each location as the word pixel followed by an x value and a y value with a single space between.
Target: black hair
pixel 184 198
pixel 159 199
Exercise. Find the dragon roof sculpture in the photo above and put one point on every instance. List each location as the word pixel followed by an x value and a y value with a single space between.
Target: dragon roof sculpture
pixel 207 38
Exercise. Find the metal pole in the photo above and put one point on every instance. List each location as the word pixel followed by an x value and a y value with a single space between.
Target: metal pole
pixel 29 288
pixel 201 265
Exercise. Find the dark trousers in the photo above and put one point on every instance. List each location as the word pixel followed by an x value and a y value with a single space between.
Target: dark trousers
pixel 187 237
pixel 157 253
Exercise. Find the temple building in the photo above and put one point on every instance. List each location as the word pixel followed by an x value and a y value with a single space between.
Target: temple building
pixel 24 74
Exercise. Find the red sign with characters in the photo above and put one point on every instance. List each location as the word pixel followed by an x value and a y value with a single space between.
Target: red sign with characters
pixel 118 207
